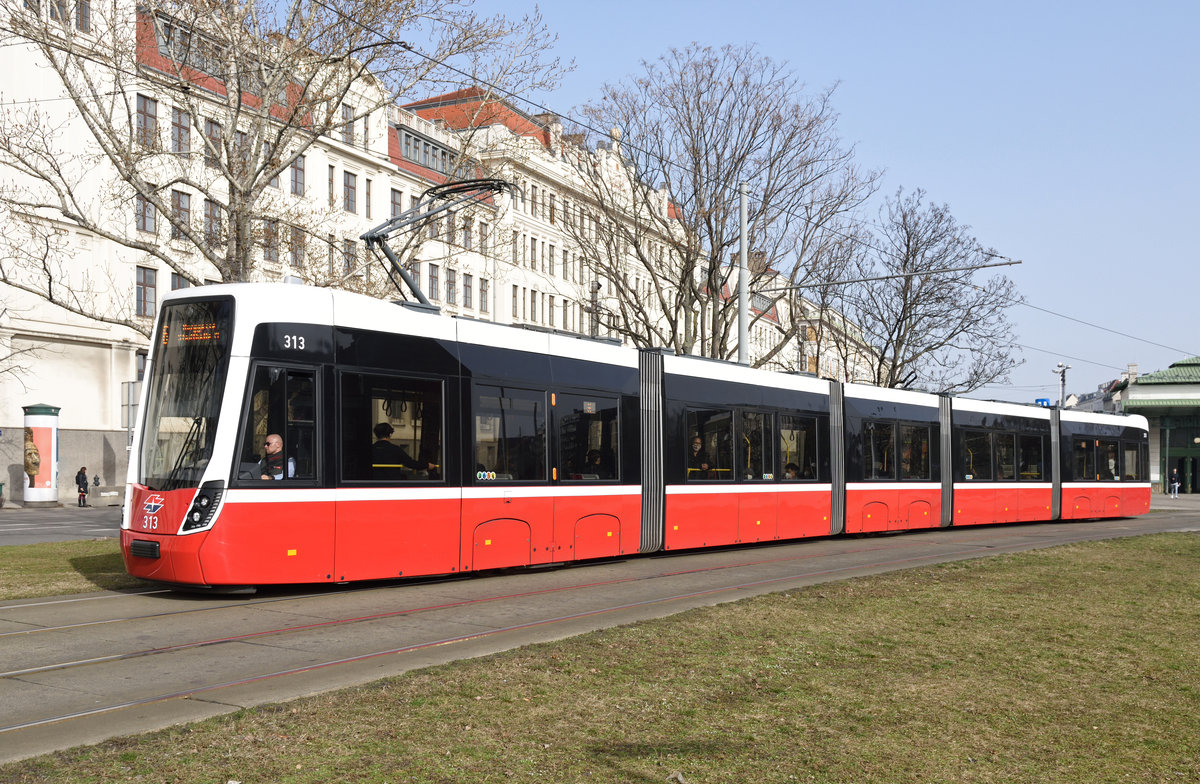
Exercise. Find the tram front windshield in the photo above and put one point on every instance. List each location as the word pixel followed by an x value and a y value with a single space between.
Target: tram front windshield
pixel 187 379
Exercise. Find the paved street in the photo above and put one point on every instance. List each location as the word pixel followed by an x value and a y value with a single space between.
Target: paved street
pixel 62 524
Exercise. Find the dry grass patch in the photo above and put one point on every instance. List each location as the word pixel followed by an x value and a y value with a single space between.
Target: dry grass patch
pixel 32 570
pixel 1066 665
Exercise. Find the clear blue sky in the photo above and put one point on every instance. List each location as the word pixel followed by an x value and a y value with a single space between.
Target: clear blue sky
pixel 1066 134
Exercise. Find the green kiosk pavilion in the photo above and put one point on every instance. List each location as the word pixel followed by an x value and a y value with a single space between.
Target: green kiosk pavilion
pixel 1170 400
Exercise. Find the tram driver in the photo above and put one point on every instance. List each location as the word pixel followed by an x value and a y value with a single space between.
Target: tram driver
pixel 271 466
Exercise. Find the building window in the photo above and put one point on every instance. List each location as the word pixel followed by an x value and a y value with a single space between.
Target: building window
pixel 451 285
pixel 552 211
pixel 179 282
pixel 181 207
pixel 408 147
pixel 397 202
pixel 515 248
pixel 349 256
pixel 552 255
pixel 550 311
pixel 533 200
pixel 349 192
pixel 466 234
pixel 533 306
pixel 147 122
pixel 297 247
pixel 298 176
pixel 146 291
pixel 147 217
pixel 483 295
pixel 467 280
pixel 212 146
pixel 483 238
pixel 348 124
pixel 271 240
pixel 434 283
pixel 331 196
pixel 83 23
pixel 181 132
pixel 213 223
pixel 367 200
pixel 515 297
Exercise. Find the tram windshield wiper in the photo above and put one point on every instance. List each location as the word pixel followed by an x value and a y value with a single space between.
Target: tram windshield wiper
pixel 169 483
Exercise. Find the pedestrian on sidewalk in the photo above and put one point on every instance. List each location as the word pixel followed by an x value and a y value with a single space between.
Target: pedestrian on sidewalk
pixel 1174 482
pixel 81 483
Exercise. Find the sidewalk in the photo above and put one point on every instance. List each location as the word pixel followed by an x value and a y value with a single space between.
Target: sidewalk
pixel 1184 503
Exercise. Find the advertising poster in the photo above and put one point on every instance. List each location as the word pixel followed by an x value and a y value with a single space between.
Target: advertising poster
pixel 41 455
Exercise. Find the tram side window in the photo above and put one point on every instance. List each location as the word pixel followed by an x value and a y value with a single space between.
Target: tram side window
pixel 710 444
pixel 391 428
pixel 1006 453
pixel 914 452
pixel 588 432
pixel 879 446
pixel 510 434
pixel 977 455
pixel 1031 458
pixel 1134 470
pixel 279 440
pixel 1083 455
pixel 1109 453
pixel 754 449
pixel 798 447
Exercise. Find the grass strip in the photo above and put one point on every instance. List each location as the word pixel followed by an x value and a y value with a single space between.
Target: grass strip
pixel 1071 664
pixel 49 569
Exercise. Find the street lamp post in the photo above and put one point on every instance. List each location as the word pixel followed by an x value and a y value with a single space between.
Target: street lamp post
pixel 1061 370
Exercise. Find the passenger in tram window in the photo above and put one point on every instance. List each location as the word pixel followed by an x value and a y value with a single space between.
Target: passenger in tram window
pixel 697 461
pixel 597 466
pixel 791 471
pixel 1112 463
pixel 271 466
pixel 388 460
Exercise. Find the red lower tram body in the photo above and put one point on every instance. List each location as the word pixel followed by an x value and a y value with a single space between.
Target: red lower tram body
pixel 316 536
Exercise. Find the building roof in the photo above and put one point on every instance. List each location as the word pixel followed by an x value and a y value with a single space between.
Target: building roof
pixel 1185 371
pixel 475 107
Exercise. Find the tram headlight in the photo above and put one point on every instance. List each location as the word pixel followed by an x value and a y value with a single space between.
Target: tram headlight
pixel 204 506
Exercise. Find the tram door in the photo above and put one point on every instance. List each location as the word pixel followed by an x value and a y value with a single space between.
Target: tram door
pixel 588 521
pixel 507 513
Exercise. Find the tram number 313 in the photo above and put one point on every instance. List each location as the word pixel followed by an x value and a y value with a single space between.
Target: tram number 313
pixel 293 342
pixel 149 522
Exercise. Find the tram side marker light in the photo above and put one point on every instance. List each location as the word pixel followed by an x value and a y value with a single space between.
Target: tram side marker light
pixel 291 553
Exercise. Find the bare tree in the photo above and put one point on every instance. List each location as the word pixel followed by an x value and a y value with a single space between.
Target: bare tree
pixel 944 331
pixel 661 210
pixel 247 87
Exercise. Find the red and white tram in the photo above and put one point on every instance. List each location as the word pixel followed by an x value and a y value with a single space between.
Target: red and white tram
pixel 415 444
